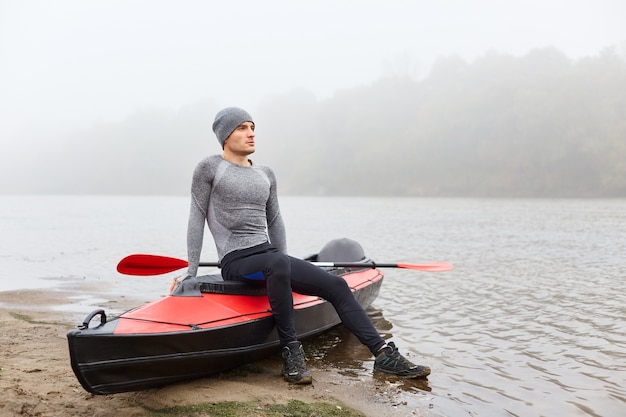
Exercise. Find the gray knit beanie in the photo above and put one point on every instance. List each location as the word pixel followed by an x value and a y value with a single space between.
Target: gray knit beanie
pixel 227 120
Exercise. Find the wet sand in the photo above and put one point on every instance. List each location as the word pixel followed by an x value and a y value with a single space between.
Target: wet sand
pixel 36 378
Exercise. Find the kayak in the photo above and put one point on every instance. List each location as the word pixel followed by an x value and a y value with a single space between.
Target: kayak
pixel 203 328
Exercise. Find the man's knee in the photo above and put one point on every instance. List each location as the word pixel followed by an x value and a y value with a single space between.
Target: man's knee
pixel 279 267
pixel 339 287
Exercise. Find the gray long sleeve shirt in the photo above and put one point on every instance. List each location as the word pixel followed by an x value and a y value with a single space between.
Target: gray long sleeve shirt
pixel 240 206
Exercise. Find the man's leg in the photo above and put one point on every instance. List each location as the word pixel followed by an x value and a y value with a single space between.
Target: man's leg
pixel 309 279
pixel 274 268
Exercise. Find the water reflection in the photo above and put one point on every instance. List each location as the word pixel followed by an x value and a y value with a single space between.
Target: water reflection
pixel 338 348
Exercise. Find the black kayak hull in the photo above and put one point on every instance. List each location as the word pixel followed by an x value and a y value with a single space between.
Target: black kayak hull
pixel 106 361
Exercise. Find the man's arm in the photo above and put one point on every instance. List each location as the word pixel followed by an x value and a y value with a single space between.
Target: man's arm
pixel 275 225
pixel 195 236
pixel 200 192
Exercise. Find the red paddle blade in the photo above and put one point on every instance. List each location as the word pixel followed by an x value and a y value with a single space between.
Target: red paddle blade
pixel 140 264
pixel 428 267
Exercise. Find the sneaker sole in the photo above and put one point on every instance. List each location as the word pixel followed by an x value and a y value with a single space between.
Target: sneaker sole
pixel 305 380
pixel 421 374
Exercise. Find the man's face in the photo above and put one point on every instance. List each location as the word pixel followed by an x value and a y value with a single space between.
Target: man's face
pixel 241 141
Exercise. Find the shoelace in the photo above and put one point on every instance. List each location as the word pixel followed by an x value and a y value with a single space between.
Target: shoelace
pixel 397 359
pixel 295 362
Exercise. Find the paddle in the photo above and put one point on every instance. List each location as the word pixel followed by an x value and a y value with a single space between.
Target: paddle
pixel 141 264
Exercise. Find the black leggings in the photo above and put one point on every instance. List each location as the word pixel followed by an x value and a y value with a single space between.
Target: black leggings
pixel 283 274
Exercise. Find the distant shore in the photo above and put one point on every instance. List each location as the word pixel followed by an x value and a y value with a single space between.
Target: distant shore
pixel 36 378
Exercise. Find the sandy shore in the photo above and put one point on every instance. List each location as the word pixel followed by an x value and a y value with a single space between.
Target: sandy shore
pixel 36 378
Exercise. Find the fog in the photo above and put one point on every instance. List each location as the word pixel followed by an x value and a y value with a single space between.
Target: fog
pixel 138 82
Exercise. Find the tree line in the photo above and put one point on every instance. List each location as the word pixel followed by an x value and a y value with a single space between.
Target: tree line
pixel 539 125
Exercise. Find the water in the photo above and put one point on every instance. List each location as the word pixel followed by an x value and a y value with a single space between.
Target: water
pixel 531 322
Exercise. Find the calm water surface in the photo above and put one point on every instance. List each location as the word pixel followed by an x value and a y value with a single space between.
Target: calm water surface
pixel 531 322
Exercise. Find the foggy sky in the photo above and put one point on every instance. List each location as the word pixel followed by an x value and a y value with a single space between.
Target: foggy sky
pixel 65 65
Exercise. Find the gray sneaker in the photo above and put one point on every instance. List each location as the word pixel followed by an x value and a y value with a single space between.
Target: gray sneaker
pixel 390 361
pixel 294 366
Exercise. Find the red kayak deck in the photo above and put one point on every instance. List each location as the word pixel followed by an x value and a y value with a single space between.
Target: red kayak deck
pixel 175 314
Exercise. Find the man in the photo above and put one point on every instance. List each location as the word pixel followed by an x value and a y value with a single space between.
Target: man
pixel 238 200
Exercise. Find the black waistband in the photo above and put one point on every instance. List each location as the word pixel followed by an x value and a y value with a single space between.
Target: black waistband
pixel 244 253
